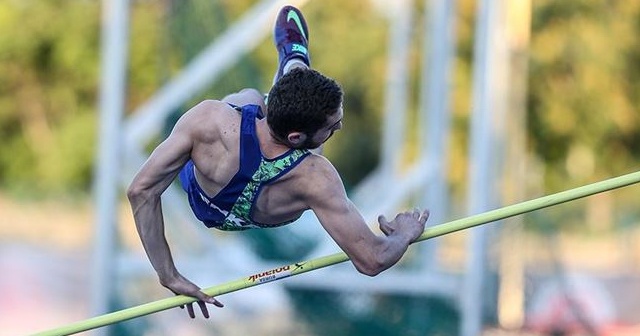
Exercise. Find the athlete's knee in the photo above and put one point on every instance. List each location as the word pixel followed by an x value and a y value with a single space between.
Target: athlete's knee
pixel 251 92
pixel 244 97
pixel 248 90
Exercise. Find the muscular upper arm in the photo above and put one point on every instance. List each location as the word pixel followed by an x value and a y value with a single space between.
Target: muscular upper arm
pixel 338 215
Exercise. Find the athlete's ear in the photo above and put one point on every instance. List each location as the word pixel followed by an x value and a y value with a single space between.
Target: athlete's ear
pixel 296 138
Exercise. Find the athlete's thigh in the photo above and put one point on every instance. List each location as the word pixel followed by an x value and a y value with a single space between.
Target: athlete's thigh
pixel 246 97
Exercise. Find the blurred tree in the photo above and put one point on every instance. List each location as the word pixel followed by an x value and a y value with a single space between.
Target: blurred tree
pixel 189 27
pixel 583 97
pixel 48 67
pixel 583 115
pixel 355 55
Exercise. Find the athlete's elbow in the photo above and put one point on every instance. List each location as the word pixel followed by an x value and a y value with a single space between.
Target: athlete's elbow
pixel 370 267
pixel 137 193
pixel 370 271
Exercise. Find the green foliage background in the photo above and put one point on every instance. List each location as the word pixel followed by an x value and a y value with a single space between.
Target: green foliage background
pixel 584 67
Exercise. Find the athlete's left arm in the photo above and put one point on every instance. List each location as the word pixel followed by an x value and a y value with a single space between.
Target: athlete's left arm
pixel 371 254
pixel 145 192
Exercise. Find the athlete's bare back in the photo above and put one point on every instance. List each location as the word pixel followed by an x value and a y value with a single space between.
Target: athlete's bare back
pixel 214 127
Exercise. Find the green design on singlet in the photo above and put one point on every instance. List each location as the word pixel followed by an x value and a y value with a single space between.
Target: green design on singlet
pixel 239 217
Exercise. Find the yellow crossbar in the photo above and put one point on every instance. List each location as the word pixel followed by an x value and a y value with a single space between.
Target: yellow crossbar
pixel 314 264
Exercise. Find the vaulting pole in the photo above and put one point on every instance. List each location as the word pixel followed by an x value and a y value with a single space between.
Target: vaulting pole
pixel 314 264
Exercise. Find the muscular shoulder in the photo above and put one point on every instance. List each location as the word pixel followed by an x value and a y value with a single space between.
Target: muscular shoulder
pixel 208 120
pixel 319 179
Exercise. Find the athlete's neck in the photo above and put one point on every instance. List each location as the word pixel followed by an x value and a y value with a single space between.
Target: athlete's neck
pixel 270 145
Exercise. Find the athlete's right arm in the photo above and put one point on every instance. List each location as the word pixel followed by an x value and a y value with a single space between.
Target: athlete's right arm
pixel 144 194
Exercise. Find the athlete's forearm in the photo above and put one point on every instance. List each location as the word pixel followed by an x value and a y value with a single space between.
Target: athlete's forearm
pixel 387 251
pixel 394 248
pixel 147 213
pixel 398 234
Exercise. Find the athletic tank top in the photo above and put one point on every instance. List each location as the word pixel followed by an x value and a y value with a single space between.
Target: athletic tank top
pixel 231 208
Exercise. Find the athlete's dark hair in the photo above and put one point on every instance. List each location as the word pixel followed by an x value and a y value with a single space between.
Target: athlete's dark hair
pixel 301 101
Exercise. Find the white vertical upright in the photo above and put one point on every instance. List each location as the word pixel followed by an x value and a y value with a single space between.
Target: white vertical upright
pixel 437 57
pixel 114 48
pixel 485 158
pixel 395 104
pixel 511 292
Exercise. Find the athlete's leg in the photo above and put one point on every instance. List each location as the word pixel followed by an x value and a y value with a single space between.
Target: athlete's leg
pixel 291 37
pixel 246 97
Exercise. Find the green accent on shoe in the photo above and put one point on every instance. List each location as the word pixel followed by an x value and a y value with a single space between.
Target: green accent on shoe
pixel 292 15
pixel 299 48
